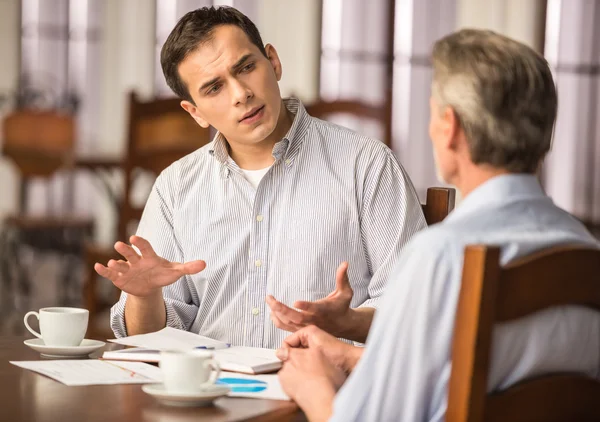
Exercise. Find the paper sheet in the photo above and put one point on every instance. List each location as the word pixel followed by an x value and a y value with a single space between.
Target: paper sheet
pixel 170 339
pixel 253 386
pixel 94 372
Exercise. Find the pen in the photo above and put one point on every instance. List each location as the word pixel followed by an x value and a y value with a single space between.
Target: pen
pixel 131 373
pixel 210 347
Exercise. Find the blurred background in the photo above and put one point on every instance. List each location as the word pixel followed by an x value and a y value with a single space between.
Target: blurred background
pixel 87 120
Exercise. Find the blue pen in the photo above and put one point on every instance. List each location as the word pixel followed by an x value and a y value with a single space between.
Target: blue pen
pixel 209 347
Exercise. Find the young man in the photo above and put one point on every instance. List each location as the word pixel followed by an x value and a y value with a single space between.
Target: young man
pixel 493 109
pixel 270 208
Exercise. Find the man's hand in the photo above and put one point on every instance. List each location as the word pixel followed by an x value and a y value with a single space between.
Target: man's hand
pixel 143 275
pixel 332 314
pixel 339 354
pixel 311 381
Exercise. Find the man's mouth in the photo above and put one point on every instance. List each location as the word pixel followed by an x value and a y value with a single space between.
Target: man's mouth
pixel 252 113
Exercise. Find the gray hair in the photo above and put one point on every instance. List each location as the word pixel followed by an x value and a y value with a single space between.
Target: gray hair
pixel 503 95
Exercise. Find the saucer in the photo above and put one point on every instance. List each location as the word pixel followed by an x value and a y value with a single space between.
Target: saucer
pixel 201 398
pixel 60 352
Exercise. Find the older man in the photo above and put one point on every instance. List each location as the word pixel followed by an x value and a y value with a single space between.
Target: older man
pixel 493 108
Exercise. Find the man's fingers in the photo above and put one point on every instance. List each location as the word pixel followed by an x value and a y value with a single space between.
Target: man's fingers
pixel 119 266
pixel 282 325
pixel 303 338
pixel 128 252
pixel 293 340
pixel 192 267
pixel 287 314
pixel 106 272
pixel 143 245
pixel 309 307
pixel 282 353
pixel 341 278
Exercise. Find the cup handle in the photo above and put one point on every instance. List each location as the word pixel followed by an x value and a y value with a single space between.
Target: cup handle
pixel 215 373
pixel 31 330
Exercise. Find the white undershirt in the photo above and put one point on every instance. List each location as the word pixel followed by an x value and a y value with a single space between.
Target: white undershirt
pixel 255 176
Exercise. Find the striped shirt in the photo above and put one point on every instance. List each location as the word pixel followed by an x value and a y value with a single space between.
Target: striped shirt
pixel 331 195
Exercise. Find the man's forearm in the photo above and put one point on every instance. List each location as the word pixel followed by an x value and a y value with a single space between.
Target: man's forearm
pixel 358 324
pixel 318 406
pixel 145 314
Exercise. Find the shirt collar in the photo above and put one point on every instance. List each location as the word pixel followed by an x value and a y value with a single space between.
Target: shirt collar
pixel 500 189
pixel 289 145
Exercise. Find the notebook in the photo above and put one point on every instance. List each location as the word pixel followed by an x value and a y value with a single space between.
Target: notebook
pixel 247 360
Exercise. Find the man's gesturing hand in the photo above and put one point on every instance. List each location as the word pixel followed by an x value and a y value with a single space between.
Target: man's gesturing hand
pixel 141 275
pixel 331 313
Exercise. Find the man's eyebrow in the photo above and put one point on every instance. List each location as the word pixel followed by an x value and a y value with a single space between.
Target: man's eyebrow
pixel 240 63
pixel 207 84
pixel 235 68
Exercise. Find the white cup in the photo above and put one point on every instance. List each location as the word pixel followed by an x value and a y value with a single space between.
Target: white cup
pixel 188 371
pixel 60 327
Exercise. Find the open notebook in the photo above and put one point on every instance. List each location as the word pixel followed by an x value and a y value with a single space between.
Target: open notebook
pixel 248 360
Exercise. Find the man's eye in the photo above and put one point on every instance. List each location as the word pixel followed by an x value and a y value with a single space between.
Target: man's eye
pixel 214 89
pixel 248 67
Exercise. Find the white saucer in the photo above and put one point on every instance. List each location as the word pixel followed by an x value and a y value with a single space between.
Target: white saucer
pixel 202 398
pixel 57 352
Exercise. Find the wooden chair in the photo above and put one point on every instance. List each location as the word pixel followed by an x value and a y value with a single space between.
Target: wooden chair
pixel 159 133
pixel 39 144
pixel 491 294
pixel 322 109
pixel 439 203
pixel 329 110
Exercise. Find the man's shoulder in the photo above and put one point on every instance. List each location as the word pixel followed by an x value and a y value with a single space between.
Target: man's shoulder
pixel 438 239
pixel 195 161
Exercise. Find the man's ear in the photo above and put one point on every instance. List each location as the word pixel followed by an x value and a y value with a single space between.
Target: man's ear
pixel 451 127
pixel 274 59
pixel 193 111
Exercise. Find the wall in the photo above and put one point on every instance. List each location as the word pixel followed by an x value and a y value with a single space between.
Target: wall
pixel 294 29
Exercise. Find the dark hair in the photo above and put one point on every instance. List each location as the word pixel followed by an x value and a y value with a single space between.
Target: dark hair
pixel 503 94
pixel 194 29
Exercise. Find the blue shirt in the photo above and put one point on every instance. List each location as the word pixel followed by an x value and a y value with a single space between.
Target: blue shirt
pixel 404 372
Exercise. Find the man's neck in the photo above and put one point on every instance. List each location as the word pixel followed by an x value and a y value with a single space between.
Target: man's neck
pixel 472 177
pixel 260 156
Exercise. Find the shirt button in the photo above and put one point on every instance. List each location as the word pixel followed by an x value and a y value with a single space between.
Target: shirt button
pixel 288 162
pixel 258 263
pixel 255 311
pixel 259 218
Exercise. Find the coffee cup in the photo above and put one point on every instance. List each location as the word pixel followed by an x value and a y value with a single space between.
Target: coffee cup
pixel 188 372
pixel 59 326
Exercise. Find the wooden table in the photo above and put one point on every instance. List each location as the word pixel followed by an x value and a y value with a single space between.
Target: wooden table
pixel 28 396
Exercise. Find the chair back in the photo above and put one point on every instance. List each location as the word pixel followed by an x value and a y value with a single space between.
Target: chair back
pixel 353 114
pixel 491 294
pixel 440 202
pixel 160 132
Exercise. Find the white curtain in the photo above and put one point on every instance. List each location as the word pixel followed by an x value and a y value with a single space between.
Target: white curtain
pixel 61 60
pixel 354 57
pixel 572 173
pixel 418 24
